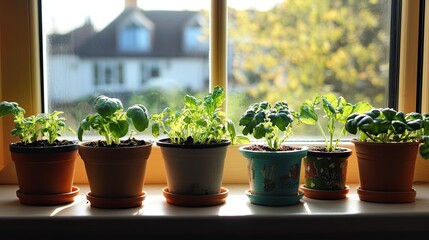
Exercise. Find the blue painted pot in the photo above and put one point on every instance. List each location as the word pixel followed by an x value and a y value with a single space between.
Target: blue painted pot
pixel 274 173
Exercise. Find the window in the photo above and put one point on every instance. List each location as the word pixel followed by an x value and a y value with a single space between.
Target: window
pixel 144 73
pixel 24 67
pixel 108 73
pixel 154 72
pixel 296 49
pixel 277 50
pixel 133 52
pixel 134 38
pixel 195 40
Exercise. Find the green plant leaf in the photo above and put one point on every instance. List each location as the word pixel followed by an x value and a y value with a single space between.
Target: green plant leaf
pixel 389 113
pixel 139 115
pixel 351 126
pixel 259 117
pixel 424 148
pixel 361 107
pixel 413 116
pixel 363 120
pixel 327 106
pixel 400 116
pixel 106 106
pixel 191 102
pixel 231 127
pixel 399 126
pixel 43 126
pixel 307 114
pixel 414 125
pixel 259 131
pixel 243 139
pixel 199 120
pixel 379 126
pixel 155 129
pixel 7 108
pixel 281 120
pixel 119 128
pixel 112 122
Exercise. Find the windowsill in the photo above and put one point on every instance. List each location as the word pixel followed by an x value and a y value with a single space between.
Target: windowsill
pixel 237 216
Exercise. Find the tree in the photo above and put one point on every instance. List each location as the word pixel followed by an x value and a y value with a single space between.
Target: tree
pixel 306 47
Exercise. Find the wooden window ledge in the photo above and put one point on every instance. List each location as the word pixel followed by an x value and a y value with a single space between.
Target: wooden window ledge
pixel 311 218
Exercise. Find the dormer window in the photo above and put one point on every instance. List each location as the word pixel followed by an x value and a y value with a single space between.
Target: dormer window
pixel 134 38
pixel 195 40
pixel 134 35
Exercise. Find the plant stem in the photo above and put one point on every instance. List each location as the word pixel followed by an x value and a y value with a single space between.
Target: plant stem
pixel 323 133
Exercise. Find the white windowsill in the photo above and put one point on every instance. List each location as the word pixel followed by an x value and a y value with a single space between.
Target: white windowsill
pixel 237 217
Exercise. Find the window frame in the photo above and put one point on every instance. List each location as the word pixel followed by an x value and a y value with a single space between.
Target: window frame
pixel 24 58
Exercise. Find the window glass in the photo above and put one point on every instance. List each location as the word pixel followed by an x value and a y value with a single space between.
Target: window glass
pixel 134 38
pixel 132 50
pixel 154 52
pixel 291 50
pixel 195 35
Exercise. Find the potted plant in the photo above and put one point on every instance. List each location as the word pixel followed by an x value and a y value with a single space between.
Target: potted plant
pixel 325 166
pixel 387 146
pixel 273 167
pixel 194 149
pixel 44 164
pixel 115 165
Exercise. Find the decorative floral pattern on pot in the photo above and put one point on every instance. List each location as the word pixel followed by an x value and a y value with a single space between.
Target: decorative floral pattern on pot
pixel 270 178
pixel 325 173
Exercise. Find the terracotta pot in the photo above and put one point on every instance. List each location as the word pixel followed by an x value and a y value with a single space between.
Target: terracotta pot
pixel 194 169
pixel 47 170
pixel 115 174
pixel 386 167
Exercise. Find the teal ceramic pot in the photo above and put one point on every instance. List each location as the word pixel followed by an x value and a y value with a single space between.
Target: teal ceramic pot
pixel 275 173
pixel 326 170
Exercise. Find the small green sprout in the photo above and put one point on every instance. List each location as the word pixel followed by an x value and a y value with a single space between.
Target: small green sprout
pixel 200 120
pixel 43 126
pixel 335 110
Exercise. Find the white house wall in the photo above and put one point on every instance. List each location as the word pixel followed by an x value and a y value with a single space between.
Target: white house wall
pixel 68 78
pixel 71 78
pixel 189 73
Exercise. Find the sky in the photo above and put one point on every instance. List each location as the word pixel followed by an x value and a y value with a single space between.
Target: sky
pixel 65 15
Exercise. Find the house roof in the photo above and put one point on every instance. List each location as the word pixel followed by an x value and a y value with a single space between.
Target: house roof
pixel 167 40
pixel 69 42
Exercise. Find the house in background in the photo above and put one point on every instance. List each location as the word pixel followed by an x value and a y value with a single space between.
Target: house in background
pixel 137 51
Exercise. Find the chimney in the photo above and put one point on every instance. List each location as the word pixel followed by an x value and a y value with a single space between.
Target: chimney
pixel 130 3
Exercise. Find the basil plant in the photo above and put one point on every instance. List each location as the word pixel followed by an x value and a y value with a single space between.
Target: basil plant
pixel 390 125
pixel 273 123
pixel 112 121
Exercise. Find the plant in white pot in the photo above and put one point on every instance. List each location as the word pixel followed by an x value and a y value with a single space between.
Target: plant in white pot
pixel 387 146
pixel 194 149
pixel 325 166
pixel 273 166
pixel 116 164
pixel 44 163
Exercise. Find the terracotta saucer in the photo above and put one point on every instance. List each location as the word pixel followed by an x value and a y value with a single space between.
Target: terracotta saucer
pixel 196 200
pixel 274 200
pixel 386 197
pixel 111 203
pixel 48 199
pixel 325 194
